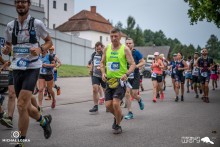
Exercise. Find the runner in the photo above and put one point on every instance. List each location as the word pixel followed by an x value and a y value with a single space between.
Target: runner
pixel 22 36
pixel 46 78
pixel 134 79
pixel 165 63
pixel 171 67
pixel 96 76
pixel 195 74
pixel 114 71
pixel 188 75
pixel 205 63
pixel 179 76
pixel 58 64
pixel 141 69
pixel 214 76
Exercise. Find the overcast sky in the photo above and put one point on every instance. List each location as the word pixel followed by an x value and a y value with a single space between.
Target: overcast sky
pixel 170 16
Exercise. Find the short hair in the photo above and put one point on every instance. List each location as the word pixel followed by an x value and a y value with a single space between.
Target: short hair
pixel 29 1
pixel 98 44
pixel 115 30
pixel 180 53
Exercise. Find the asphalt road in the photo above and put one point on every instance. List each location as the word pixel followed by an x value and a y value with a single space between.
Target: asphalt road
pixel 161 124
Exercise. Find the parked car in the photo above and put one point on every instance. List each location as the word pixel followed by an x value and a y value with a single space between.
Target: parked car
pixel 4 80
pixel 147 70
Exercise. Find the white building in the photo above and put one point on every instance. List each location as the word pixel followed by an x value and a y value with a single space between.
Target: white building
pixel 89 25
pixel 56 11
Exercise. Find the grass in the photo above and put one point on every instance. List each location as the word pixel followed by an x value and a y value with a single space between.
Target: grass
pixel 72 71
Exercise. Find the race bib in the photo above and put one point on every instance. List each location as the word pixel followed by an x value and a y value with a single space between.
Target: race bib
pixel 43 71
pixel 97 60
pixel 153 75
pixel 131 76
pixel 195 71
pixel 113 66
pixel 174 71
pixel 204 74
pixel 213 72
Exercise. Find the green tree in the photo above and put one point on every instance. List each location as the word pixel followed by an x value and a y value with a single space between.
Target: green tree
pixel 204 9
pixel 130 27
pixel 198 49
pixel 139 37
pixel 213 47
pixel 119 25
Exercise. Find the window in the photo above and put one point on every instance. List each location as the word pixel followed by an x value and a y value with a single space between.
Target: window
pixel 54 4
pixel 65 6
pixel 54 25
pixel 100 38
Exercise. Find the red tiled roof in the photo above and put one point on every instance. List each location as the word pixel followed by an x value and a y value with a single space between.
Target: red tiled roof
pixel 86 20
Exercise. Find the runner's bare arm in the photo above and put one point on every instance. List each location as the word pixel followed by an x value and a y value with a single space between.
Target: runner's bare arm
pixel 102 65
pixel 141 63
pixel 58 61
pixel 185 65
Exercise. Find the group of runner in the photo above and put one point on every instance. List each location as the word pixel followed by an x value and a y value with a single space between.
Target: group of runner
pixel 114 71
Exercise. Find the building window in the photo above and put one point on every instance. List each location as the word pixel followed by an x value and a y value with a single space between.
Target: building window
pixel 100 38
pixel 65 6
pixel 54 25
pixel 54 4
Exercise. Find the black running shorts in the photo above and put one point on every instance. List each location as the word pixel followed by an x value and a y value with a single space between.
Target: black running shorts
pixel 25 80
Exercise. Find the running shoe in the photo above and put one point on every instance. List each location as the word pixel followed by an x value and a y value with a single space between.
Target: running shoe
pixel 177 99
pixel 182 99
pixel 141 104
pixel 117 130
pixel 154 100
pixel 114 123
pixel 47 128
pixel 94 110
pixel 6 122
pixel 129 116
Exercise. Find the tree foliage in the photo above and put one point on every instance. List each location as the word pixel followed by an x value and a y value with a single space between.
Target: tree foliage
pixel 149 38
pixel 204 10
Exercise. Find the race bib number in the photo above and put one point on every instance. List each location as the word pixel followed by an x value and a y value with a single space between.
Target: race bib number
pixel 131 76
pixel 204 74
pixel 97 60
pixel 174 71
pixel 113 66
pixel 153 75
pixel 196 72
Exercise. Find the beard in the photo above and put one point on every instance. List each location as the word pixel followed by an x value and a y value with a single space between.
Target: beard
pixel 22 12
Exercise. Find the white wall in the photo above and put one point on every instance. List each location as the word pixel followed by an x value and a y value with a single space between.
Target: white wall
pixel 57 16
pixel 95 37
